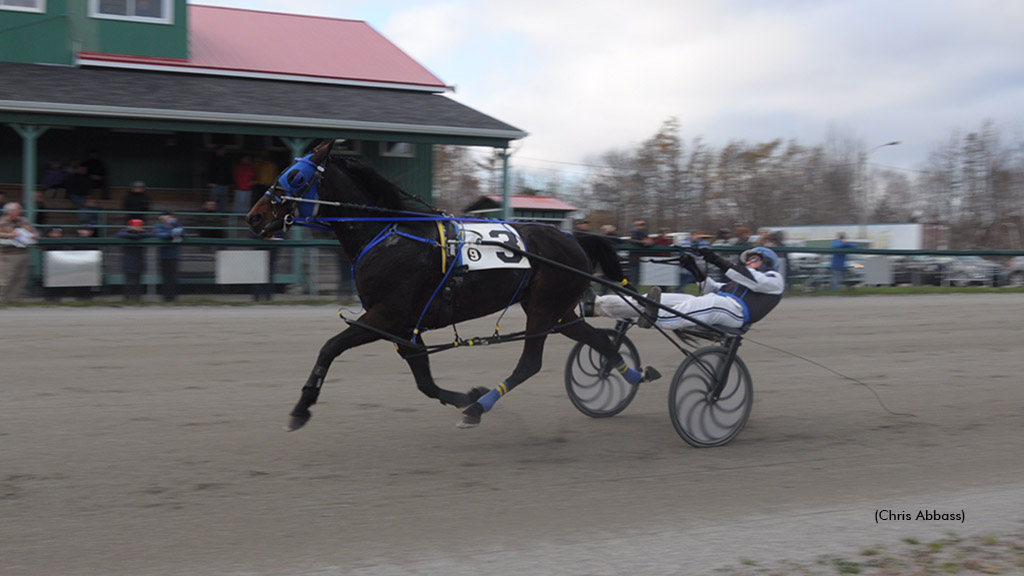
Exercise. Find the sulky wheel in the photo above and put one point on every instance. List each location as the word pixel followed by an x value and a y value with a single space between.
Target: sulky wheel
pixel 593 385
pixel 701 421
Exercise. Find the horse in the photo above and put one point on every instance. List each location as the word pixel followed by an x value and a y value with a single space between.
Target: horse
pixel 409 281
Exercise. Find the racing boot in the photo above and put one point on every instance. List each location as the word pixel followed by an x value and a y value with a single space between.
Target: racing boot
pixel 588 299
pixel 651 308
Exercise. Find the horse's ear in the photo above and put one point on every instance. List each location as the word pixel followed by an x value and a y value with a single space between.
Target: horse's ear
pixel 322 151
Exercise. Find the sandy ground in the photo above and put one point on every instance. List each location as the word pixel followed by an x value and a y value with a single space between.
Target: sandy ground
pixel 150 441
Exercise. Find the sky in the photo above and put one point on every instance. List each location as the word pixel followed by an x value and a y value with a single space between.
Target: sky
pixel 586 77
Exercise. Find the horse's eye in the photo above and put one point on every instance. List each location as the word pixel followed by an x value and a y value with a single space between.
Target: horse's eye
pixel 295 178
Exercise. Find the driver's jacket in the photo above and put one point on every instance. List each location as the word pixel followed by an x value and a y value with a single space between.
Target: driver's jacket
pixel 756 292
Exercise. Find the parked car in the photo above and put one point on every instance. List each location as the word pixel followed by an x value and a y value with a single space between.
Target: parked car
pixel 975 270
pixel 1015 271
pixel 920 270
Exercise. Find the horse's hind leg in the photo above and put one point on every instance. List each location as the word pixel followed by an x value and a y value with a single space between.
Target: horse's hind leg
pixel 587 334
pixel 530 362
pixel 350 338
pixel 419 363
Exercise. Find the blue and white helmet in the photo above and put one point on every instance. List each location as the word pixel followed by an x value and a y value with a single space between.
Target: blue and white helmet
pixel 768 256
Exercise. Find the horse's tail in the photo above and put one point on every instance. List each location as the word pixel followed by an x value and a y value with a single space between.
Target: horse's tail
pixel 602 255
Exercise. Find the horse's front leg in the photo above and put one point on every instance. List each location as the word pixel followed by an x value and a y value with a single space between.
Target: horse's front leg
pixel 350 338
pixel 419 363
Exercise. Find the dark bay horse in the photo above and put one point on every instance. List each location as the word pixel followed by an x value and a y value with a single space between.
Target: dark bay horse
pixel 408 280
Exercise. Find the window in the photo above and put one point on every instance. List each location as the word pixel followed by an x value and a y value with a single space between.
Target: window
pixel 399 149
pixel 230 141
pixel 344 147
pixel 157 11
pixel 24 5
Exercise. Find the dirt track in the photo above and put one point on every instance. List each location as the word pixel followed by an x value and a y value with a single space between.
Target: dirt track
pixel 150 441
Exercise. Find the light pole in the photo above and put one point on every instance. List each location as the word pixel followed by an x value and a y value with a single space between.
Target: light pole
pixel 862 176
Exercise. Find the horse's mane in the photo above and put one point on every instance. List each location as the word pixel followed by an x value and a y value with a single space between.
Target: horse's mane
pixel 389 193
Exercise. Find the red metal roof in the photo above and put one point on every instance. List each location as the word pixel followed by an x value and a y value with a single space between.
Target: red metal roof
pixel 269 43
pixel 534 202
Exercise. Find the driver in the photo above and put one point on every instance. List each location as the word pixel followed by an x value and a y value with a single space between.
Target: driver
pixel 752 289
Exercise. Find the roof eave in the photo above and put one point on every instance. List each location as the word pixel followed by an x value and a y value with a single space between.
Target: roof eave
pixel 182 67
pixel 229 118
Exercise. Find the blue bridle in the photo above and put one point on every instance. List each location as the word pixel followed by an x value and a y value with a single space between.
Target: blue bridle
pixel 299 185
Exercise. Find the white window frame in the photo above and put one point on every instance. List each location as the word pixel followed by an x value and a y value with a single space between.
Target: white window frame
pixel 398 149
pixel 168 10
pixel 40 7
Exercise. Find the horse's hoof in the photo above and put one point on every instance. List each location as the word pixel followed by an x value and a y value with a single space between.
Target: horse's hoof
pixel 468 422
pixel 471 416
pixel 650 374
pixel 297 421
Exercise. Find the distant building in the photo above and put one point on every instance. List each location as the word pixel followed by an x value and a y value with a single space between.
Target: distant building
pixel 535 208
pixel 902 236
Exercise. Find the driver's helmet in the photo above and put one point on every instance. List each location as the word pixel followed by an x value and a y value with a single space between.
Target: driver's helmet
pixel 768 256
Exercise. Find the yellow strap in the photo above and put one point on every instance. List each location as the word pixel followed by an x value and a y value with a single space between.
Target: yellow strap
pixel 444 246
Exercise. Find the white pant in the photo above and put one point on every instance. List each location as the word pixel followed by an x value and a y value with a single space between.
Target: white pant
pixel 710 309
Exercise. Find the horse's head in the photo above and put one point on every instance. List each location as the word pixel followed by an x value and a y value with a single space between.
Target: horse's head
pixel 279 206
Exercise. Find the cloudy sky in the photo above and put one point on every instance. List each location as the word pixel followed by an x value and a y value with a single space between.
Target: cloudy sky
pixel 584 77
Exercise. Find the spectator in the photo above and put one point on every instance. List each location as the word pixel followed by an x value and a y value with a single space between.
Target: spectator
pixel 266 173
pixel 218 177
pixel 84 232
pixel 664 237
pixel 610 230
pixel 38 198
pixel 638 233
pixel 53 179
pixel 742 237
pixel 89 216
pixel 16 234
pixel 838 264
pixel 136 202
pixel 133 259
pixel 78 185
pixel 168 229
pixel 96 170
pixel 777 239
pixel 723 238
pixel 243 176
pixel 210 222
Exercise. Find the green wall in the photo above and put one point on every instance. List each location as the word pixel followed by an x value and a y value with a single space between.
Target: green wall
pixel 66 28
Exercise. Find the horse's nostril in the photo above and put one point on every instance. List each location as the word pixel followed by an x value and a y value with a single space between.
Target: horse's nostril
pixel 254 219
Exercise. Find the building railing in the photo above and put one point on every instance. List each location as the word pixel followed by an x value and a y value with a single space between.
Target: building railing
pixel 310 266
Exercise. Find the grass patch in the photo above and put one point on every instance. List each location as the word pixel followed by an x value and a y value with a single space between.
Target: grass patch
pixel 846 566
